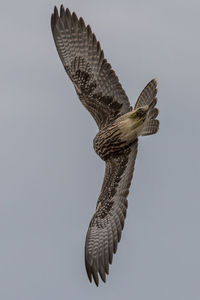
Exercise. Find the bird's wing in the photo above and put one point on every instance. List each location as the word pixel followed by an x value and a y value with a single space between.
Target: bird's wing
pixel 95 82
pixel 106 226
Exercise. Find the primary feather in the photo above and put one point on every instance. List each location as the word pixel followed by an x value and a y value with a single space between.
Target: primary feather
pixel 95 82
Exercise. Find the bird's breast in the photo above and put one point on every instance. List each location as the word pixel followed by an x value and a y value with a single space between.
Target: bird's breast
pixel 118 135
pixel 110 140
pixel 107 141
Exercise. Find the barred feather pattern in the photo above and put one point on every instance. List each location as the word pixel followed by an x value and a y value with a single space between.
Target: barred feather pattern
pixel 95 82
pixel 106 226
pixel 147 95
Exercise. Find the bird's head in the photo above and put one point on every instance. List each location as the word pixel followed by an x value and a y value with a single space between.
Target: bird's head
pixel 138 116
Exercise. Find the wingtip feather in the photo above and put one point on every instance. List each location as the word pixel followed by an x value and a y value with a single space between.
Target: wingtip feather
pixel 56 12
pixel 52 21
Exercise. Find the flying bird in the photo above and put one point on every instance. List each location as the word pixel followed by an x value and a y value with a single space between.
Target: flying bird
pixel 100 91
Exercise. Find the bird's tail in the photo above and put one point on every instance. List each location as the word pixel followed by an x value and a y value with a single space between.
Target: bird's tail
pixel 148 97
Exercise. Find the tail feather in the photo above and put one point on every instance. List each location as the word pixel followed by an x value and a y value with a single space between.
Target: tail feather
pixel 148 94
pixel 153 113
pixel 148 97
pixel 151 127
pixel 153 103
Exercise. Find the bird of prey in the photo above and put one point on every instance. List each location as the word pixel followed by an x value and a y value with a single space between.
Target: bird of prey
pixel 120 125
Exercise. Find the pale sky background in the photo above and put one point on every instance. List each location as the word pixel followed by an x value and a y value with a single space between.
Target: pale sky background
pixel 50 177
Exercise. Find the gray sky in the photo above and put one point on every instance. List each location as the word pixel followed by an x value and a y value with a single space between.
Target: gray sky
pixel 50 176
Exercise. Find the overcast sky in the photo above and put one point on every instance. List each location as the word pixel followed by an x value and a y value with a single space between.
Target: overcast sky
pixel 50 177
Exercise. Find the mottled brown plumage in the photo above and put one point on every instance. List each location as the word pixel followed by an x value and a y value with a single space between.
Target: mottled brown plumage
pixel 116 143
